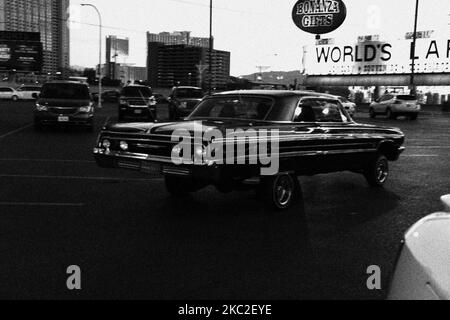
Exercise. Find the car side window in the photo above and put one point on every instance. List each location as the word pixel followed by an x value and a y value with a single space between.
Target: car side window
pixel 316 110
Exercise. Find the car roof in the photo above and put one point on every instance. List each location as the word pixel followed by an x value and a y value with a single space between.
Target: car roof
pixel 188 87
pixel 277 93
pixel 65 82
pixel 136 86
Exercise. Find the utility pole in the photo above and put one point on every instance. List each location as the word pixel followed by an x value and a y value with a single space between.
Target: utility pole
pixel 261 69
pixel 99 53
pixel 210 43
pixel 413 51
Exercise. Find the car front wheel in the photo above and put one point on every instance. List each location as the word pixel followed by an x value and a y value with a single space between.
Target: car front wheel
pixel 280 192
pixel 414 116
pixel 377 171
pixel 372 113
pixel 15 98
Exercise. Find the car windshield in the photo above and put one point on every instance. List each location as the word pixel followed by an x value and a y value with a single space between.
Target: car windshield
pixel 407 98
pixel 189 93
pixel 137 92
pixel 67 91
pixel 245 108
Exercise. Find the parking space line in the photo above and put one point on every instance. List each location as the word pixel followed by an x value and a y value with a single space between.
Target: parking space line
pixel 40 204
pixel 16 131
pixel 421 155
pixel 13 176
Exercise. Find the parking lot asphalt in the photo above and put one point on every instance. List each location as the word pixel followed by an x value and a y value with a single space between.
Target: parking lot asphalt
pixel 131 240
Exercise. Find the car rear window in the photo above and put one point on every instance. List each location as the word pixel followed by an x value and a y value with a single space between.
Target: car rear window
pixel 189 93
pixel 137 92
pixel 67 91
pixel 407 98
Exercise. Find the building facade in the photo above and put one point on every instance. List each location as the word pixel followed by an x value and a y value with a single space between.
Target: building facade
pixel 178 37
pixel 172 65
pixel 124 72
pixel 50 19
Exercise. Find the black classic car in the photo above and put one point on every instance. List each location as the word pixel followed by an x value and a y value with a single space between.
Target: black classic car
pixel 270 137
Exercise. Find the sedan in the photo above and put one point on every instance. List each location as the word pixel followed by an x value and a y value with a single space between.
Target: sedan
pixel 9 93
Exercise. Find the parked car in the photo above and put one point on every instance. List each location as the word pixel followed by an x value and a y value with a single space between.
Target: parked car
pixel 64 102
pixel 315 135
pixel 422 268
pixel 393 105
pixel 137 102
pixel 28 92
pixel 160 98
pixel 108 96
pixel 349 106
pixel 183 100
pixel 9 93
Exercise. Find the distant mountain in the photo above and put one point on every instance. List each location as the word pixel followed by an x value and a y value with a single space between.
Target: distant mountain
pixel 277 77
pixel 78 68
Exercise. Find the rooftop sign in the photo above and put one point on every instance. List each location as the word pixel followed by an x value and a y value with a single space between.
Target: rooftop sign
pixel 319 16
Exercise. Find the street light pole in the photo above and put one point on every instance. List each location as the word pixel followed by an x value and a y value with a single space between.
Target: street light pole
pixel 413 50
pixel 210 44
pixel 100 54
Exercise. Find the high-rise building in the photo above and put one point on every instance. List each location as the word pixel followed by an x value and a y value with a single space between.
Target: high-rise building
pixel 177 37
pixel 172 65
pixel 50 19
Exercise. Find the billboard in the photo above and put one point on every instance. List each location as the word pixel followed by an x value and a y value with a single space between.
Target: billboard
pixel 20 56
pixel 20 51
pixel 117 49
pixel 370 55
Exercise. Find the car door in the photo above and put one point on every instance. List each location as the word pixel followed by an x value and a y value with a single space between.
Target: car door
pixel 23 93
pixel 378 105
pixel 343 144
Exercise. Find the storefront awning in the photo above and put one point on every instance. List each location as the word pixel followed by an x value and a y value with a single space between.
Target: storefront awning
pixel 430 79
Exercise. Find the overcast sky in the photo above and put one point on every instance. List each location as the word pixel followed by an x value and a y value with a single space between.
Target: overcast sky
pixel 256 32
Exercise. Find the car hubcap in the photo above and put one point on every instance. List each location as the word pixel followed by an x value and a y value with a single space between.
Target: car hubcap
pixel 382 172
pixel 284 190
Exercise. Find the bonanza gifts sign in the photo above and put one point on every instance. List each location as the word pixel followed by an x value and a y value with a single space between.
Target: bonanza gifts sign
pixel 319 16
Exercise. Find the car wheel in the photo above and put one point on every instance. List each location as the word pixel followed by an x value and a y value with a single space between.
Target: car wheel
pixel 372 113
pixel 280 192
pixel 15 98
pixel 377 171
pixel 414 116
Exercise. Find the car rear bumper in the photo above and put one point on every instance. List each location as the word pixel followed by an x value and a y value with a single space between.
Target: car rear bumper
pixel 406 110
pixel 136 112
pixel 49 118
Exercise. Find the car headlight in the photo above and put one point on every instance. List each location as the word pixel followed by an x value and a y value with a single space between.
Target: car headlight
pixel 124 145
pixel 40 107
pixel 122 101
pixel 85 109
pixel 106 144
